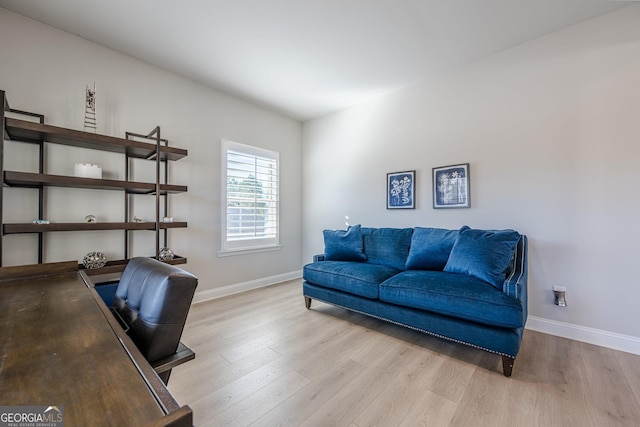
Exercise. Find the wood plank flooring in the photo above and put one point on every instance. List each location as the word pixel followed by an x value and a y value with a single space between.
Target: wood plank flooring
pixel 263 359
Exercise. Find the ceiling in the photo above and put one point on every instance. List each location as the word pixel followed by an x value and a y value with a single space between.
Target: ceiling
pixel 308 58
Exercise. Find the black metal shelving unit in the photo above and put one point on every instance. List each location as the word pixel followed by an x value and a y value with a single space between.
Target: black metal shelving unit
pixel 134 146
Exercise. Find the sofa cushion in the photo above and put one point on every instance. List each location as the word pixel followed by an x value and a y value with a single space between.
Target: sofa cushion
pixel 353 277
pixel 430 248
pixel 484 254
pixel 344 245
pixel 452 294
pixel 387 246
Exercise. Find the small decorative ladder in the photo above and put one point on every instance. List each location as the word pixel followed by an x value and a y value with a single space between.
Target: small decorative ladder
pixel 90 108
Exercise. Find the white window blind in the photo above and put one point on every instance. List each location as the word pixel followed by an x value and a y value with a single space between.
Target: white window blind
pixel 251 190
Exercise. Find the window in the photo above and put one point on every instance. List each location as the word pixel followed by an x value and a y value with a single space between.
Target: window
pixel 250 207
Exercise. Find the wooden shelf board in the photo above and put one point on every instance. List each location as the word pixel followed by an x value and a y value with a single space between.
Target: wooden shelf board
pixel 35 180
pixel 22 130
pixel 19 228
pixel 117 266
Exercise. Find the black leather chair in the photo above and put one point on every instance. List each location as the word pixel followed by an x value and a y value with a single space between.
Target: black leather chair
pixel 152 300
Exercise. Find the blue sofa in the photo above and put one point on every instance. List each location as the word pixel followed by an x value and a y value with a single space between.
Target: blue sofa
pixel 467 285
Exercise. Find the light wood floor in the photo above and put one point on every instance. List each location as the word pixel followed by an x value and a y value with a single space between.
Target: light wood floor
pixel 264 360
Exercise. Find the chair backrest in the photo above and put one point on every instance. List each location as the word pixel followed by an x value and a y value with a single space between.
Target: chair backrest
pixel 153 299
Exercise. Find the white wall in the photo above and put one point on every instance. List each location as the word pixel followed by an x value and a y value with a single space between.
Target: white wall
pixel 45 70
pixel 551 130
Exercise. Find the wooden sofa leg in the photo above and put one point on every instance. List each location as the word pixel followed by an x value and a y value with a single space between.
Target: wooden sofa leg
pixel 507 365
pixel 307 302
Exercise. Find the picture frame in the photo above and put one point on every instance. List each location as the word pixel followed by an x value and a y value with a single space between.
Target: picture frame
pixel 451 187
pixel 401 190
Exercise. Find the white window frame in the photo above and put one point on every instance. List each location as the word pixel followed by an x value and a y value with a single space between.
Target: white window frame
pixel 240 245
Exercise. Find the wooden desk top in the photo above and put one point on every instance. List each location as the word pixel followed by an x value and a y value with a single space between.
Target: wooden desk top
pixel 58 348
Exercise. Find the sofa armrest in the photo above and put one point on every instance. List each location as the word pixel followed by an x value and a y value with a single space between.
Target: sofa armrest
pixel 318 258
pixel 516 282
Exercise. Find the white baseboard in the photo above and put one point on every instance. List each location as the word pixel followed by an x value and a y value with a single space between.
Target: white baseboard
pixel 224 291
pixel 599 337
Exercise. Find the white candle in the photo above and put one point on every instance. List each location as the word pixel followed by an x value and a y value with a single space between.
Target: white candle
pixel 87 170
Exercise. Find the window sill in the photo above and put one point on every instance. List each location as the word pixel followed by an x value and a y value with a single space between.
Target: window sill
pixel 243 251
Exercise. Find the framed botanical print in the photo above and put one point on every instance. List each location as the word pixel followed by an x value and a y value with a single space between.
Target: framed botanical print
pixel 401 190
pixel 451 187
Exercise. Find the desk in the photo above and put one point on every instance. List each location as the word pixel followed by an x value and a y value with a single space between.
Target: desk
pixel 60 346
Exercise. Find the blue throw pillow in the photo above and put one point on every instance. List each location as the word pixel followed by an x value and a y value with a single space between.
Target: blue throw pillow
pixel 430 248
pixel 484 254
pixel 387 246
pixel 344 245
